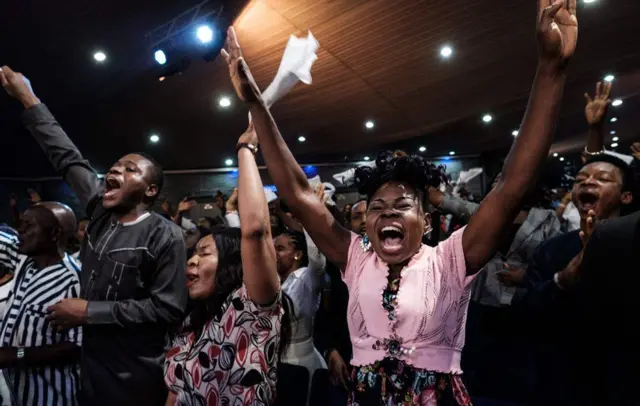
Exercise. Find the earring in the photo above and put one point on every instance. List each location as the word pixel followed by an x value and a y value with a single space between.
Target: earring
pixel 365 243
pixel 429 230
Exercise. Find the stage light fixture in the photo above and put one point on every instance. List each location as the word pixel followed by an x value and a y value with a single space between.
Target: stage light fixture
pixel 204 34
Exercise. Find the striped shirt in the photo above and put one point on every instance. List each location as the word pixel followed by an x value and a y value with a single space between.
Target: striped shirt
pixel 24 325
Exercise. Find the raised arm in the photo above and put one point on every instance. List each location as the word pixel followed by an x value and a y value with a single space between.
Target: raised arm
pixel 557 38
pixel 60 150
pixel 595 112
pixel 260 275
pixel 331 238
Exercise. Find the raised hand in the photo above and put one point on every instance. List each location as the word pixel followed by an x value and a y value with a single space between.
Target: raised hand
pixel 596 108
pixel 249 136
pixel 232 204
pixel 186 205
pixel 241 77
pixel 570 276
pixel 557 31
pixel 324 198
pixel 18 86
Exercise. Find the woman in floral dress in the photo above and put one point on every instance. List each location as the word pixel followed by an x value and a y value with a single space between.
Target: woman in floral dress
pixel 228 348
pixel 408 301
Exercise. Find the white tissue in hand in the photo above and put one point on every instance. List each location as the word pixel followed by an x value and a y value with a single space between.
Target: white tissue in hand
pixel 329 189
pixel 297 60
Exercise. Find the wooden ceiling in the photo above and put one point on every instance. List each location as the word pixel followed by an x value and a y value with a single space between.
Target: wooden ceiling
pixel 378 60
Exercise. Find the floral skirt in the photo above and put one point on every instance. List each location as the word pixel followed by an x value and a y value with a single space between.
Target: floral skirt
pixel 391 382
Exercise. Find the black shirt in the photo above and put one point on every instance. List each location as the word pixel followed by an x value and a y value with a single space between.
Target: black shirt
pixel 133 276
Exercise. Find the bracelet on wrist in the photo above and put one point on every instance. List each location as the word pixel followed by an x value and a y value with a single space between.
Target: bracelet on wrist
pixel 602 151
pixel 250 147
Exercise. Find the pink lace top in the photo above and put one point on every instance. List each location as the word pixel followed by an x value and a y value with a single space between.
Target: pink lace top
pixel 428 327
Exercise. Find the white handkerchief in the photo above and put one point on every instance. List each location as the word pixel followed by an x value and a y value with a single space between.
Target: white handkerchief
pixel 329 189
pixel 626 158
pixel 297 60
pixel 270 194
pixel 347 176
pixel 465 177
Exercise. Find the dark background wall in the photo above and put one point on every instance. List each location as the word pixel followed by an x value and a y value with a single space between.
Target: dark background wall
pixel 179 184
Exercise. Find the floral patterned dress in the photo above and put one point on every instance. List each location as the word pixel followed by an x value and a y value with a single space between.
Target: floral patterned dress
pixel 234 361
pixel 393 382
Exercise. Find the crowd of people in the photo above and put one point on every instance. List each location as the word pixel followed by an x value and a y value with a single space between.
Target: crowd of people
pixel 295 302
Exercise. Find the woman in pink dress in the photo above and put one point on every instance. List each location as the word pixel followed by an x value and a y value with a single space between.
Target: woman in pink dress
pixel 407 301
pixel 229 347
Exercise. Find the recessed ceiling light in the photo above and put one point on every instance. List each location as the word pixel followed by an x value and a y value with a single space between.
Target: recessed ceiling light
pixel 612 132
pixel 154 138
pixel 589 1
pixel 614 119
pixel 609 78
pixel 616 103
pixel 555 154
pixel 446 51
pixel 422 149
pixel 100 56
pixel 161 78
pixel 561 159
pixel 515 133
pixel 224 102
pixel 487 118
pixel 369 124
pixel 302 138
pixel 366 158
pixel 160 57
pixel 615 139
pixel 615 144
pixel 228 162
pixel 452 153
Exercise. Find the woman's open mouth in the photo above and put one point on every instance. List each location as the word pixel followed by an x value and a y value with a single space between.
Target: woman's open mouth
pixel 191 279
pixel 391 238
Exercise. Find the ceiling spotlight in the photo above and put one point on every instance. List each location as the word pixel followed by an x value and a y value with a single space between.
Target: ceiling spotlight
pixel 615 144
pixel 205 34
pixel 555 154
pixel 160 57
pixel 154 138
pixel 615 139
pixel 162 78
pixel 616 103
pixel 515 133
pixel 422 149
pixel 366 158
pixel 369 124
pixel 487 118
pixel 614 119
pixel 452 153
pixel 561 159
pixel 612 132
pixel 302 138
pixel 224 102
pixel 446 51
pixel 100 56
pixel 609 78
pixel 228 162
